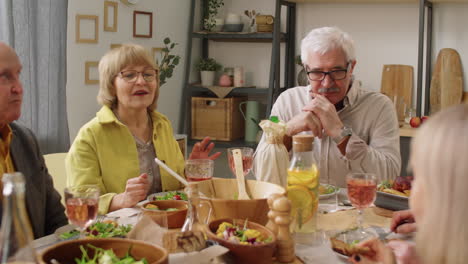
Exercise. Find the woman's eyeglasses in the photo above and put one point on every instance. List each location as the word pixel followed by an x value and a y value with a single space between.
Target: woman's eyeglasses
pixel 131 76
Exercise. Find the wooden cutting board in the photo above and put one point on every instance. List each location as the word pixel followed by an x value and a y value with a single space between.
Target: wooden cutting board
pixel 397 84
pixel 447 81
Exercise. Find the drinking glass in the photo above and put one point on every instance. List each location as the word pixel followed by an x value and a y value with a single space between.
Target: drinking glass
pixel 82 205
pixel 247 157
pixel 362 188
pixel 199 169
pixel 328 195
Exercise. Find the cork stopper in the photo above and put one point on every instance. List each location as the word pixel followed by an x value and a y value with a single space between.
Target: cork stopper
pixel 303 143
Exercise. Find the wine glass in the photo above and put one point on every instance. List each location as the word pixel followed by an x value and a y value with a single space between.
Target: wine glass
pixel 82 205
pixel 247 158
pixel 362 188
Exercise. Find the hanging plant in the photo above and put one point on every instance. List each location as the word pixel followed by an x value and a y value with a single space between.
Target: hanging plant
pixel 168 62
pixel 211 10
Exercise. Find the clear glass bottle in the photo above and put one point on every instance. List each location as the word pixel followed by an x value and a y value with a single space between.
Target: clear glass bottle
pixel 303 183
pixel 192 222
pixel 16 237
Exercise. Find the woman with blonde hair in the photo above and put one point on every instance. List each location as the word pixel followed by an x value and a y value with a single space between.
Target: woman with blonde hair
pixel 439 194
pixel 116 149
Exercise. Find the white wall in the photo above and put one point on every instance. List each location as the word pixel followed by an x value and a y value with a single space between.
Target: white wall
pixel 388 33
pixel 170 19
pixel 384 34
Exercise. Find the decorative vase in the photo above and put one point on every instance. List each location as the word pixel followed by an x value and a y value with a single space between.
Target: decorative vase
pixel 207 78
pixel 302 79
pixel 219 25
pixel 225 80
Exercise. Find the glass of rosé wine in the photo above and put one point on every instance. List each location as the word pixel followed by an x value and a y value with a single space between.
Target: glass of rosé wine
pixel 247 159
pixel 362 188
pixel 82 205
pixel 199 169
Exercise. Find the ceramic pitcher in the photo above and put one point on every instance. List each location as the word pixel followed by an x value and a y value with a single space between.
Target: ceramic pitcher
pixel 252 117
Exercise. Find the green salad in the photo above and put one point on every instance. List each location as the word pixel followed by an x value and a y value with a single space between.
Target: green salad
pixel 103 256
pixel 326 189
pixel 106 228
pixel 172 195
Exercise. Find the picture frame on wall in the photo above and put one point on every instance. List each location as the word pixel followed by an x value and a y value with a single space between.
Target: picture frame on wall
pixel 91 72
pixel 114 45
pixel 142 24
pixel 110 14
pixel 156 53
pixel 86 29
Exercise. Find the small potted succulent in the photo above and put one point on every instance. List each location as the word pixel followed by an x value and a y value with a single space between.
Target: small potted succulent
pixel 208 68
pixel 211 22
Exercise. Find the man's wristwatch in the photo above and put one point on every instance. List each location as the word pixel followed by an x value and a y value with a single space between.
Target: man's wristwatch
pixel 345 132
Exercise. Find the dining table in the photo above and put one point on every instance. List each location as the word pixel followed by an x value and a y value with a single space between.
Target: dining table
pixel 344 218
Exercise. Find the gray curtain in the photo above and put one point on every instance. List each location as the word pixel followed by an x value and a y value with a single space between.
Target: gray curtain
pixel 37 30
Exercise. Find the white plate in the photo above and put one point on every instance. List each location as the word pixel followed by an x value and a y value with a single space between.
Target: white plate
pixel 342 257
pixel 329 195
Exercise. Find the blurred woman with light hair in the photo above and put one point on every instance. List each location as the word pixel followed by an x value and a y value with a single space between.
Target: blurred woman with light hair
pixel 438 197
pixel 116 149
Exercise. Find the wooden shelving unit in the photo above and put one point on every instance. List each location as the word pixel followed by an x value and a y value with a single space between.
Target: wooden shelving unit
pixel 275 38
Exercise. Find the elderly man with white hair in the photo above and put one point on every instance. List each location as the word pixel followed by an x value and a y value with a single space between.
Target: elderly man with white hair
pixel 356 130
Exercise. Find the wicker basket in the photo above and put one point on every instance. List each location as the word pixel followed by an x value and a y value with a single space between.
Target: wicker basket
pixel 220 119
pixel 264 28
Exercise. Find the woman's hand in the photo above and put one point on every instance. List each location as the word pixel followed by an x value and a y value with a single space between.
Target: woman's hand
pixel 202 149
pixel 378 253
pixel 403 222
pixel 135 191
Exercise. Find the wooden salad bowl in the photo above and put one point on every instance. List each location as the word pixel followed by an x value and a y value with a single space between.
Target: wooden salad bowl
pixel 175 219
pixel 66 252
pixel 258 254
pixel 221 194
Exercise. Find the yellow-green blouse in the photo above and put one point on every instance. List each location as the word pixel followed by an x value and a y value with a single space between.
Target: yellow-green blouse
pixel 104 153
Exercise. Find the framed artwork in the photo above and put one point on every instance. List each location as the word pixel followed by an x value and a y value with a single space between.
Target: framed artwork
pixel 91 72
pixel 110 16
pixel 142 24
pixel 113 46
pixel 87 29
pixel 157 53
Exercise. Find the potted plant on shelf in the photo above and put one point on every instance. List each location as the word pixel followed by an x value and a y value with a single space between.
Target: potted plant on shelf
pixel 168 61
pixel 208 68
pixel 211 23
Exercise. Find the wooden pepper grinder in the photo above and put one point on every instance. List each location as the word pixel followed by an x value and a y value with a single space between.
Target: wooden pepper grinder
pixel 285 250
pixel 272 214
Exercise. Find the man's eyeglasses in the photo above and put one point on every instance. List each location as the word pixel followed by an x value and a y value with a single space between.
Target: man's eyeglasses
pixel 335 74
pixel 131 76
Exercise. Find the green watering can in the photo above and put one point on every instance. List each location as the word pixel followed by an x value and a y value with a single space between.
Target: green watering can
pixel 252 118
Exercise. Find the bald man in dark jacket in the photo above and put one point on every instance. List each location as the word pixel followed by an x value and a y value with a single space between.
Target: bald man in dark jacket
pixel 20 152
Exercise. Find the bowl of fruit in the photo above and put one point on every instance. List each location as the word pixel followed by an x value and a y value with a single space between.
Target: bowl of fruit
pixel 174 211
pixel 393 194
pixel 104 250
pixel 248 242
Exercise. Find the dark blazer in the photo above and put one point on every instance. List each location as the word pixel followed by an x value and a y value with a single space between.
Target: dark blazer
pixel 46 212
